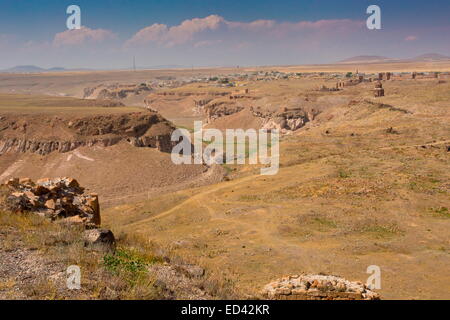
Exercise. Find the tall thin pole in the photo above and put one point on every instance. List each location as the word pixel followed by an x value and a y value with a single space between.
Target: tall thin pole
pixel 134 63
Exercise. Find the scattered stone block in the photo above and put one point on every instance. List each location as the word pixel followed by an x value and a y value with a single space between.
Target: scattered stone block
pixel 99 237
pixel 191 271
pixel 317 287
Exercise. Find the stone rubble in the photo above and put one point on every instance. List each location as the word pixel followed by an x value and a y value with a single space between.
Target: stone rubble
pixel 317 287
pixel 56 199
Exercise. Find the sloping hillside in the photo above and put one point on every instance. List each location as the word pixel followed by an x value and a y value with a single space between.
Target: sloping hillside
pixel 364 184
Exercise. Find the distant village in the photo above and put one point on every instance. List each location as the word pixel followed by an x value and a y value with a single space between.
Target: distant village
pixel 237 79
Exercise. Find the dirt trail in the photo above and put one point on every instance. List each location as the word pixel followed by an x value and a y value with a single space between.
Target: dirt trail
pixel 204 197
pixel 417 145
pixel 198 197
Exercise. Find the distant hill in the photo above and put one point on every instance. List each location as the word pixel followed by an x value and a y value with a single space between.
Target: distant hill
pixel 24 69
pixel 56 69
pixel 365 59
pixel 431 57
pixel 381 59
pixel 165 66
pixel 35 69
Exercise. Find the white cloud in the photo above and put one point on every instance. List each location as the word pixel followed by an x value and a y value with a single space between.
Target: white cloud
pixel 81 36
pixel 162 34
pixel 185 32
pixel 188 28
pixel 257 25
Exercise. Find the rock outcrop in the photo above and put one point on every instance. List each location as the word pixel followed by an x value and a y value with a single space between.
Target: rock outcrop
pixel 99 237
pixel 43 135
pixel 288 120
pixel 215 110
pixel 115 91
pixel 56 199
pixel 317 287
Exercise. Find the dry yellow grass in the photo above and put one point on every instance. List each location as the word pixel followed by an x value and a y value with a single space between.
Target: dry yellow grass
pixel 35 254
pixel 366 183
pixel 39 104
pixel 350 193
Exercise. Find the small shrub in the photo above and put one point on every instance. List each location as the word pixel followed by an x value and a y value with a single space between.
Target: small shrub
pixel 441 212
pixel 129 264
pixel 343 174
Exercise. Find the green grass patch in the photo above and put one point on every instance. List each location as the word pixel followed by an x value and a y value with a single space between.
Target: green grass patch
pixel 441 212
pixel 343 174
pixel 316 221
pixel 381 231
pixel 129 263
pixel 324 222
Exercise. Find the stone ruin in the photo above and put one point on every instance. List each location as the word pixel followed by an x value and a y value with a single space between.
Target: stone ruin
pixel 324 88
pixel 384 76
pixel 349 82
pixel 61 200
pixel 378 91
pixel 317 287
pixel 55 199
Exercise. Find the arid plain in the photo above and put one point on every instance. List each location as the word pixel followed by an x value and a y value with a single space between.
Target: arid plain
pixel 363 180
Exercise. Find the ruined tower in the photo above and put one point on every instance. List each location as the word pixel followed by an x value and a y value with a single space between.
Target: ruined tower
pixel 378 91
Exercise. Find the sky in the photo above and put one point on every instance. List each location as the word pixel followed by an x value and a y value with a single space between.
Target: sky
pixel 216 32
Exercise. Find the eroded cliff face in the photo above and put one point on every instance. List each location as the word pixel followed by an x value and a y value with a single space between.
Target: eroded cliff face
pixel 218 109
pixel 115 91
pixel 43 134
pixel 240 108
pixel 287 120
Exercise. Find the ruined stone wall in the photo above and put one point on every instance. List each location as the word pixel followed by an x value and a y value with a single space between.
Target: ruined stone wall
pixel 317 287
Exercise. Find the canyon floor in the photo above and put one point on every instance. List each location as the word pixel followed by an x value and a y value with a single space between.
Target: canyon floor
pixel 363 181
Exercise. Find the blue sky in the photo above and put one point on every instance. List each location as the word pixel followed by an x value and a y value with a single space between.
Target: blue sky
pixel 34 32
